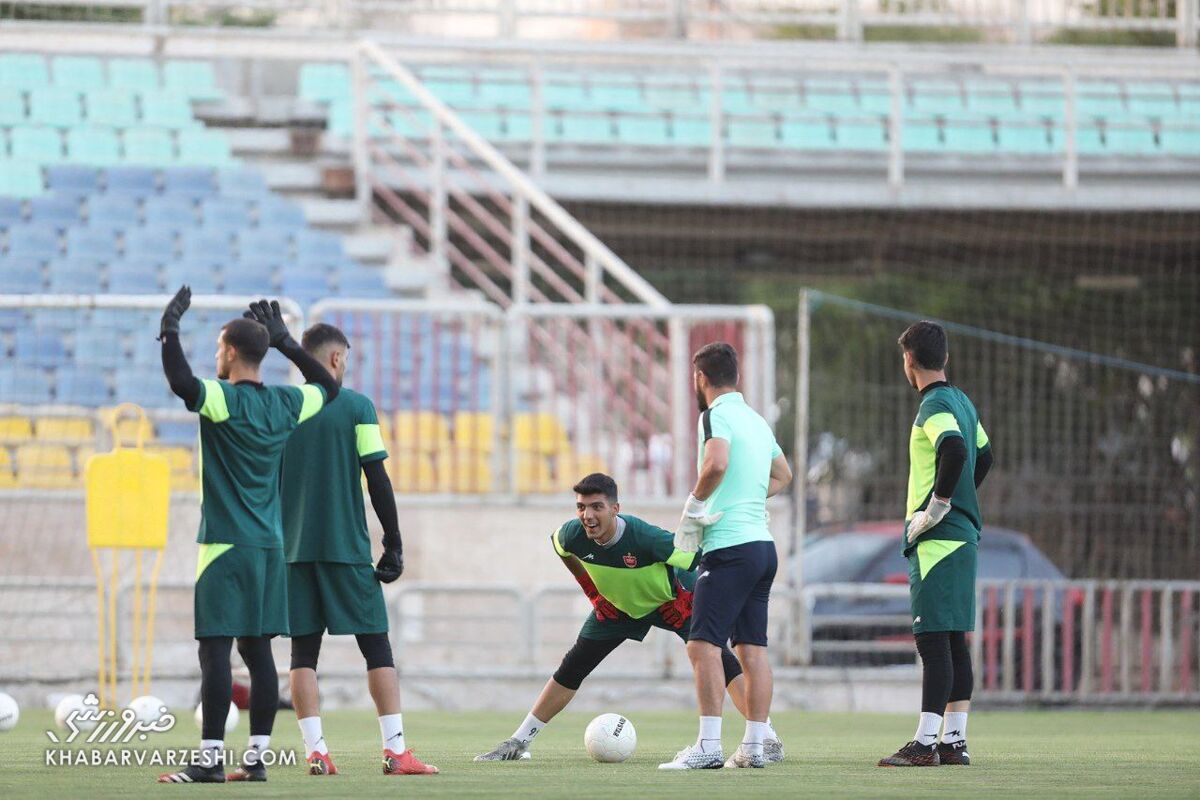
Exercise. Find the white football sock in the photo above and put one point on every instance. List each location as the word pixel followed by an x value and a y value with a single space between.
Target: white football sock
pixel 752 742
pixel 210 751
pixel 257 745
pixel 771 734
pixel 709 738
pixel 528 729
pixel 955 726
pixel 928 728
pixel 391 730
pixel 314 739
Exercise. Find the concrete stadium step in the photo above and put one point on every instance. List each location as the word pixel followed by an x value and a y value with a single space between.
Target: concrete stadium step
pixel 325 213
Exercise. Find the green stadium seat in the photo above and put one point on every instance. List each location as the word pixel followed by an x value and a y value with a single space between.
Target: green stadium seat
pixel 78 72
pixel 324 83
pixel 202 147
pixel 869 136
pixel 651 131
pixel 93 145
pixel 149 146
pixel 140 74
pixel 12 106
pixel 115 107
pixel 36 144
pixel 969 136
pixel 54 105
pixel 195 79
pixel 167 109
pixel 807 134
pixel 23 70
pixel 1180 141
pixel 752 133
pixel 1027 136
pixel 20 179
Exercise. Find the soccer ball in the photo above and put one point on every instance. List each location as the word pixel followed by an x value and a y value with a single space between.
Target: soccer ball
pixel 70 703
pixel 10 712
pixel 231 719
pixel 610 738
pixel 147 708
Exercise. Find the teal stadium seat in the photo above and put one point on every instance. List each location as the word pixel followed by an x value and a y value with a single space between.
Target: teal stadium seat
pixel 454 93
pixel 691 131
pixel 203 147
pixel 518 126
pixel 38 144
pixel 1155 100
pixel 1088 139
pixel 920 135
pixel 167 109
pixel 1028 136
pixel 20 179
pixel 93 145
pixel 340 121
pixel 387 92
pixel 995 98
pixel 679 95
pixel 506 94
pixel 488 124
pixel 565 97
pixel 1096 99
pixel 616 97
pixel 54 105
pixel 1127 135
pixel 324 83
pixel 651 131
pixel 1178 140
pixel 195 79
pixel 150 146
pixel 115 107
pixel 778 99
pixel 140 74
pixel 861 135
pixel 806 134
pixel 23 70
pixel 829 101
pixel 972 136
pixel 752 133
pixel 940 97
pixel 12 106
pixel 877 100
pixel 81 73
pixel 738 102
pixel 582 129
pixel 1042 98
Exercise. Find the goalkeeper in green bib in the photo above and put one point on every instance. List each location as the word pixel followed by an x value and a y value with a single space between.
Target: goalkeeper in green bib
pixel 949 456
pixel 332 585
pixel 636 579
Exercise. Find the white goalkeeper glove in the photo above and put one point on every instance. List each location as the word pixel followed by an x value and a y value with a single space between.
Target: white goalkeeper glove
pixel 692 524
pixel 922 521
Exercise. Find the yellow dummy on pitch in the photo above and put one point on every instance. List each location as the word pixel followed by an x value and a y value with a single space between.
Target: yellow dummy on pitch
pixel 128 498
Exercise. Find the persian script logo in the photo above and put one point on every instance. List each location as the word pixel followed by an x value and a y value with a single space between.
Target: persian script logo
pixel 110 727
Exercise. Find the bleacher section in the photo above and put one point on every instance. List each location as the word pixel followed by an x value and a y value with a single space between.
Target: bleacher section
pixel 971 116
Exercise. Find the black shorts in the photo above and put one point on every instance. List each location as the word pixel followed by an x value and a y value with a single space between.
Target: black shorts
pixel 733 587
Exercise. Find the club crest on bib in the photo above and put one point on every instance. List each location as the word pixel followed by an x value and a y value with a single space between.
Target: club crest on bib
pixel 630 560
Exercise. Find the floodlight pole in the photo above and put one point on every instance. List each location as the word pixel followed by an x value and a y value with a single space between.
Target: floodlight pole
pixel 800 483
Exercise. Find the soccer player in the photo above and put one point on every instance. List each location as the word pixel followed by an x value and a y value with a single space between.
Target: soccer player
pixel 240 590
pixel 740 465
pixel 949 456
pixel 331 583
pixel 636 580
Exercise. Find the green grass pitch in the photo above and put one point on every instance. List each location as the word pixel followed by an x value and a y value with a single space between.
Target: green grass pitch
pixel 1035 755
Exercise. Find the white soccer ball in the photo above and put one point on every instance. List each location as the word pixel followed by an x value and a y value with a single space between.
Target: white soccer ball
pixel 610 738
pixel 147 708
pixel 231 719
pixel 70 703
pixel 10 712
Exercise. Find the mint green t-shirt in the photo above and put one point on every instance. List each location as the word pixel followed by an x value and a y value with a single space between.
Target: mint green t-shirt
pixel 742 494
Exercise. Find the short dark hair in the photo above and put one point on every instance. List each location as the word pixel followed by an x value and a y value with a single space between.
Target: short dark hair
pixel 249 338
pixel 927 342
pixel 597 483
pixel 719 363
pixel 322 334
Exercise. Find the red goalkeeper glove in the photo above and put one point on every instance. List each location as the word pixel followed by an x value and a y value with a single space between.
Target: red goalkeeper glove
pixel 678 611
pixel 604 609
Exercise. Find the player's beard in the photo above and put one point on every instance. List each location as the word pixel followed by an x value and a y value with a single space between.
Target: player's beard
pixel 701 401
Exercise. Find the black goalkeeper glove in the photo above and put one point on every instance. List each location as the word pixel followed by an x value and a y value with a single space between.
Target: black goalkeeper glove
pixel 174 312
pixel 390 566
pixel 271 317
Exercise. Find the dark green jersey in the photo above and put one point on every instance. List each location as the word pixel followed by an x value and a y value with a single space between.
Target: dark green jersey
pixel 945 411
pixel 243 429
pixel 323 516
pixel 635 570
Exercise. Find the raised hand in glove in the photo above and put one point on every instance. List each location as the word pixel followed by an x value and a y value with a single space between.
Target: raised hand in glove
pixel 271 317
pixel 678 611
pixel 174 312
pixel 604 609
pixel 390 566
pixel 692 524
pixel 925 519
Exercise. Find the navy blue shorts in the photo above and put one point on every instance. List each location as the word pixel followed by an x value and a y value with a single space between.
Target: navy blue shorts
pixel 732 590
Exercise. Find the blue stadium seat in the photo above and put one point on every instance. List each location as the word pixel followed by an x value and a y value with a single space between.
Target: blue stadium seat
pixel 133 277
pixel 1088 138
pixel 265 242
pixel 241 182
pixel 192 181
pixel 152 244
pixel 133 73
pixel 361 282
pixel 877 102
pixel 143 387
pixel 23 70
pixel 79 72
pixel 25 387
pixel 36 144
pixel 34 241
pixel 20 275
pixel 63 320
pixel 202 273
pixel 582 129
pixel 72 178
pixel 74 277
pixel 103 349
pixel 58 210
pixel 304 289
pixel 113 211
pixel 1098 99
pixel 207 244
pixel 313 244
pixel 171 212
pixel 996 98
pixel 226 212
pixel 196 79
pixel 488 124
pixel 829 102
pixel 12 211
pixel 93 145
pixel 649 131
pixel 140 181
pixel 518 127
pixel 176 432
pixel 111 107
pixel 91 243
pixel 81 387
pixel 38 347
pixel 280 214
pixel 238 282
pixel 56 106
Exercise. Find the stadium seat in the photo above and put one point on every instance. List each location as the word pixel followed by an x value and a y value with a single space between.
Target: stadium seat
pixel 33 241
pixel 83 386
pixel 1129 136
pixel 1043 100
pixel 589 129
pixel 1098 99
pixel 921 136
pixel 249 285
pixel 73 179
pixel 56 106
pixel 111 107
pixel 996 98
pixel 542 433
pixel 12 211
pixel 74 277
pixel 21 276
pixel 91 243
pixel 23 70
pixel 280 214
pixel 191 181
pixel 12 107
pixel 65 430
pixel 691 131
pixel 196 79
pixel 133 277
pixel 488 124
pixel 474 431
pixel 644 131
pixel 133 73
pixel 178 432
pixel 207 243
pixel 241 182
pixel 182 465
pixel 465 472
pixel 423 431
pixel 224 212
pixel 366 282
pixel 39 348
pixel 20 179
pixel 15 429
pixel 78 72
pixel 167 109
pixel 8 478
pixel 113 211
pixel 103 350
pixel 969 136
pixel 25 386
pixel 412 471
pixel 58 210
pixel 1024 136
pixel 807 134
pixel 324 82
pixel 149 146
pixel 142 387
pixel 140 181
pixel 45 466
pixel 755 133
pixel 201 146
pixel 93 145
pixel 150 244
pixel 264 242
pixel 1155 100
pixel 1180 141
pixel 534 475
pixel 39 144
